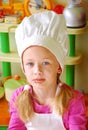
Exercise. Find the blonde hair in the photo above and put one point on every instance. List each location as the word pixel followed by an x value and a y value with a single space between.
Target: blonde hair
pixel 61 101
pixel 24 103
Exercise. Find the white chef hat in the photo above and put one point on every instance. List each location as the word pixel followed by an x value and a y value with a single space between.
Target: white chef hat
pixel 46 29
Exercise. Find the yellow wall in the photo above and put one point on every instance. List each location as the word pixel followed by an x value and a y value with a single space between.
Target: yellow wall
pixel 81 70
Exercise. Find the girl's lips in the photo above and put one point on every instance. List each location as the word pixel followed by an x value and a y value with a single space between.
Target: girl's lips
pixel 39 80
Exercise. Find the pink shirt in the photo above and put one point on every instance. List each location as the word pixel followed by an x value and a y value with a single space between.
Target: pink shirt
pixel 73 119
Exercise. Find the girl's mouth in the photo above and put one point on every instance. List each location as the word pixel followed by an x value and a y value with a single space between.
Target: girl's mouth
pixel 39 80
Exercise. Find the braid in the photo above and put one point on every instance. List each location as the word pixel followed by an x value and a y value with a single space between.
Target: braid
pixel 61 101
pixel 24 105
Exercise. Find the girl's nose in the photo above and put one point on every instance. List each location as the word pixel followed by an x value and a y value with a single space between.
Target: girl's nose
pixel 37 69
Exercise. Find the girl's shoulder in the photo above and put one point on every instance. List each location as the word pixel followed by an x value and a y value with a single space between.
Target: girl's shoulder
pixel 14 96
pixel 77 97
pixel 19 90
pixel 73 90
pixel 16 92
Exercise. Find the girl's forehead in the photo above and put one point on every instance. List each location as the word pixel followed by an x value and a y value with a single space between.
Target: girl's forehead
pixel 39 51
pixel 37 47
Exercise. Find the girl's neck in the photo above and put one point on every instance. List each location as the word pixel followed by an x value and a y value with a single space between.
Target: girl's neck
pixel 44 97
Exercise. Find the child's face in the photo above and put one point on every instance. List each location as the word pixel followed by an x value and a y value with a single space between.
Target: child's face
pixel 40 67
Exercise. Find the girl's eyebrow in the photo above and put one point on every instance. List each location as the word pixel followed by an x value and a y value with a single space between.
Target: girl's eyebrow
pixel 44 58
pixel 29 59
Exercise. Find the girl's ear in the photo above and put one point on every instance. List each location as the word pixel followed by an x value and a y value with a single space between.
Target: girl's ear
pixel 59 70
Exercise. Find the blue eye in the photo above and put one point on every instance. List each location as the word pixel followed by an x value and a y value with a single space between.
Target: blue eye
pixel 30 64
pixel 45 63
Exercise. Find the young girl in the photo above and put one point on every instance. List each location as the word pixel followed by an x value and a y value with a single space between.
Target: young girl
pixel 45 103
